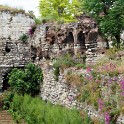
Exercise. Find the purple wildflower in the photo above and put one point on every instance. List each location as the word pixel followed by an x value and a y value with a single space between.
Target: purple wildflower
pixel 107 118
pixel 100 104
pixel 88 69
pixel 122 86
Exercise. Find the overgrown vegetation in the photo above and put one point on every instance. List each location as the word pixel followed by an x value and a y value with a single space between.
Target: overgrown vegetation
pixel 109 15
pixel 66 61
pixel 14 10
pixel 24 37
pixel 102 87
pixel 36 111
pixel 27 80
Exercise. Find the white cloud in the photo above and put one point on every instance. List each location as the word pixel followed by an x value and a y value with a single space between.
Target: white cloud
pixel 24 4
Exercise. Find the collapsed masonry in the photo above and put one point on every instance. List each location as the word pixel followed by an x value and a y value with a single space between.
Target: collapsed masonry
pixel 48 41
pixel 78 39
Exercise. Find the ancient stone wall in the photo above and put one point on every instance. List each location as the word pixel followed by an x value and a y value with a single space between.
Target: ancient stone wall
pixel 13 52
pixel 60 92
pixel 50 41
pixel 12 26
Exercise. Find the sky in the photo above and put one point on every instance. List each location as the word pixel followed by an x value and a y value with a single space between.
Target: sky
pixel 23 4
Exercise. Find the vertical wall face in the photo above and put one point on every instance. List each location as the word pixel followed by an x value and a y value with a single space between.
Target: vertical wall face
pixel 12 26
pixel 81 38
pixel 13 52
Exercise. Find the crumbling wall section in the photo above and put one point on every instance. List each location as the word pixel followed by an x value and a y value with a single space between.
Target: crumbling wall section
pixel 12 26
pixel 13 52
pixel 81 38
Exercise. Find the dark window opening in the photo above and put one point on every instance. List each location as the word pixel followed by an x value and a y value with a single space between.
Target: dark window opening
pixel 33 53
pixel 69 38
pixel 7 49
pixel 5 82
pixel 53 40
pixel 81 38
pixel 6 79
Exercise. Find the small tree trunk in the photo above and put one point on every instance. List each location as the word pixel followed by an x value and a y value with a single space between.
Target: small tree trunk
pixel 118 41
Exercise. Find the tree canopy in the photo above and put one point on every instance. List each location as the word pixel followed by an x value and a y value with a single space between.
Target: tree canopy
pixel 59 10
pixel 109 15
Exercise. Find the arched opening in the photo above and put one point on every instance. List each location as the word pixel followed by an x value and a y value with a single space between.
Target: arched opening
pixel 5 82
pixel 81 38
pixel 53 40
pixel 33 53
pixel 69 38
pixel 6 79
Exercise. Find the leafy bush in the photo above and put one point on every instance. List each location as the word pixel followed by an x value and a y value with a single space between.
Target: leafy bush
pixel 64 61
pixel 7 98
pixel 24 37
pixel 80 65
pixel 27 80
pixel 36 111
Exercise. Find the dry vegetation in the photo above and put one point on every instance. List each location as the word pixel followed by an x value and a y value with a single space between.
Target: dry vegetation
pixel 14 10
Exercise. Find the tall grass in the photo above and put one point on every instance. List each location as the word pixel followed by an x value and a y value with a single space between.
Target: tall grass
pixel 36 111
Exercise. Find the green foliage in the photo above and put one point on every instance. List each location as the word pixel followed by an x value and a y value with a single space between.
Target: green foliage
pixel 109 15
pixel 56 73
pixel 24 37
pixel 27 80
pixel 35 111
pixel 38 21
pixel 7 99
pixel 80 65
pixel 64 61
pixel 59 10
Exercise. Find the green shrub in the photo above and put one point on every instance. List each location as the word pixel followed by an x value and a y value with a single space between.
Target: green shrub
pixel 80 65
pixel 64 61
pixel 7 98
pixel 27 80
pixel 36 111
pixel 24 37
pixel 56 73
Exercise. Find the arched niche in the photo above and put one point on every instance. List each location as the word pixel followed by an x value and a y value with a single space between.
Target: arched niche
pixel 81 38
pixel 5 82
pixel 6 79
pixel 69 38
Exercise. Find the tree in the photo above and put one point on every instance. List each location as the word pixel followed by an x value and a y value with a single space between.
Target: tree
pixel 109 15
pixel 27 80
pixel 59 10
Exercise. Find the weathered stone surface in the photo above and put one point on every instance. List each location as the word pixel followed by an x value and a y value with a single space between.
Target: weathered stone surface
pixel 13 26
pixel 13 52
pixel 50 41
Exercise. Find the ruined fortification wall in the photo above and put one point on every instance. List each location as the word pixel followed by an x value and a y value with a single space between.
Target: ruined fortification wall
pixel 65 94
pixel 12 26
pixel 13 52
pixel 82 38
